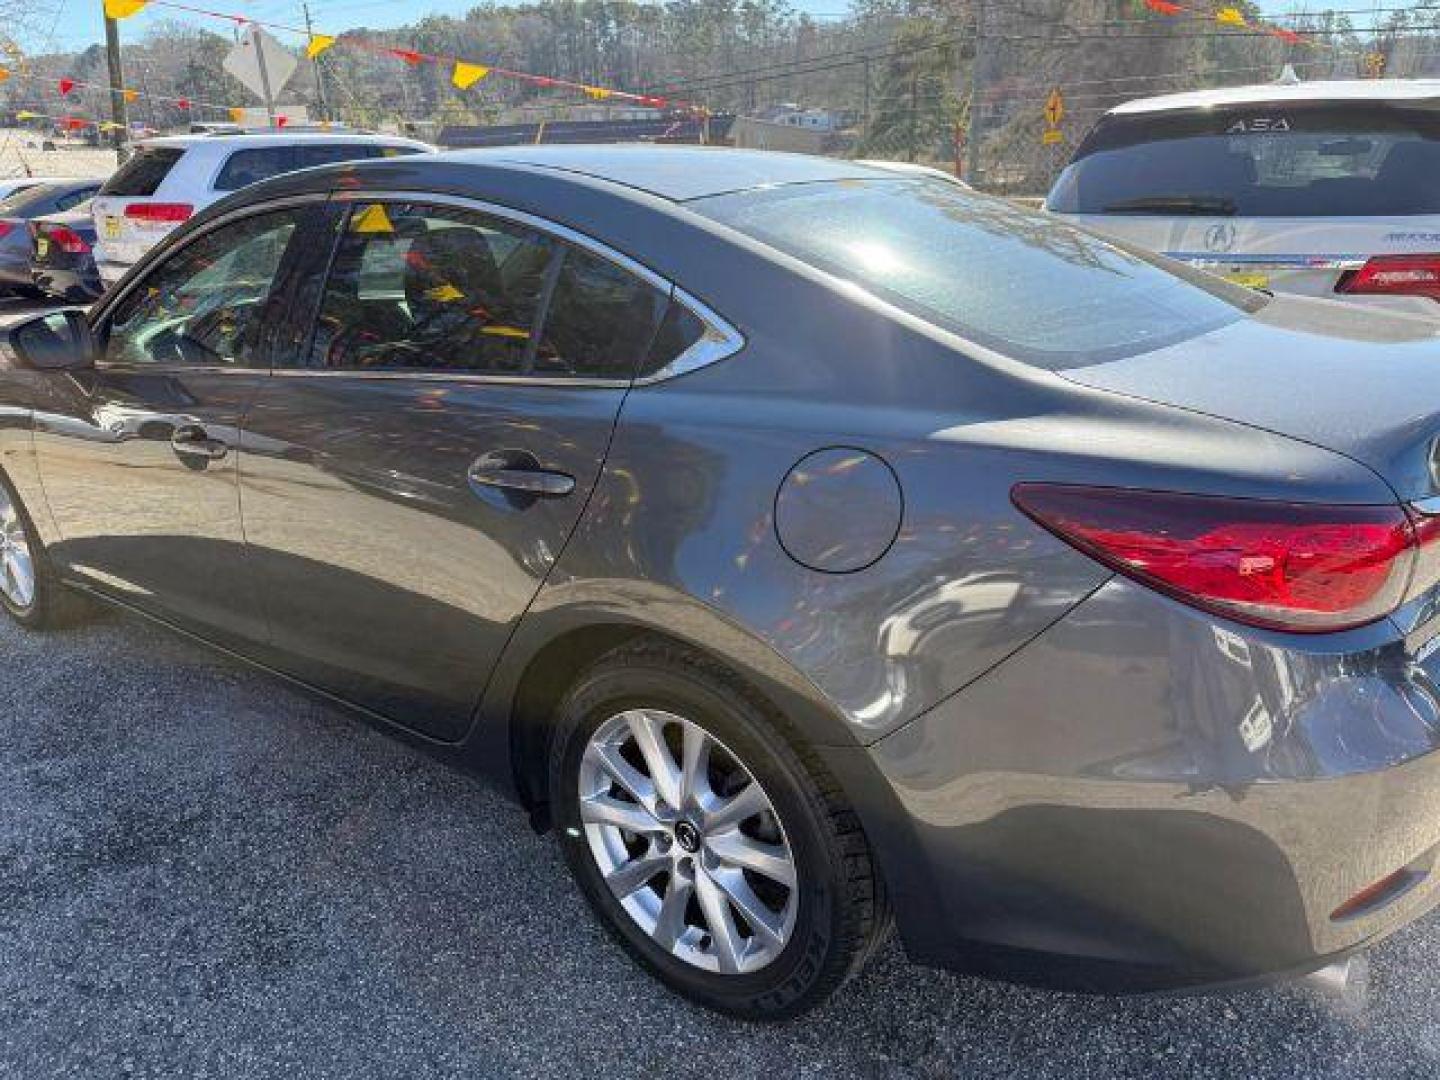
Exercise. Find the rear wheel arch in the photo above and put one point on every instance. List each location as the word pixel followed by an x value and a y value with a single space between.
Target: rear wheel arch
pixel 551 671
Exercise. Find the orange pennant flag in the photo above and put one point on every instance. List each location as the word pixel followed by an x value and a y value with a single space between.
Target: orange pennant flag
pixel 237 115
pixel 123 9
pixel 130 96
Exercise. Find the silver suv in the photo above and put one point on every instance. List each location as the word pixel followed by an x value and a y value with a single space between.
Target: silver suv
pixel 168 180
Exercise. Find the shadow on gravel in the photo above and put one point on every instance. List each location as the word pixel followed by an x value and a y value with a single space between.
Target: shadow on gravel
pixel 204 872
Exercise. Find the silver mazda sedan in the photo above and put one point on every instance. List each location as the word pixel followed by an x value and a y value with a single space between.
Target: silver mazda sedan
pixel 811 546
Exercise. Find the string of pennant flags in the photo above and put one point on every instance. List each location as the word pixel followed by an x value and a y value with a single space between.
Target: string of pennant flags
pixel 1234 18
pixel 464 74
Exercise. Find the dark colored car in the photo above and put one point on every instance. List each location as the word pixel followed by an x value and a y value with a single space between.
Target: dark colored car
pixel 16 214
pixel 62 261
pixel 807 543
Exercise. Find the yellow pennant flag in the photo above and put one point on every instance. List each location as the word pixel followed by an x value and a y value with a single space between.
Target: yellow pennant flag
pixel 318 44
pixel 25 114
pixel 467 75
pixel 110 125
pixel 372 220
pixel 1230 16
pixel 598 93
pixel 123 9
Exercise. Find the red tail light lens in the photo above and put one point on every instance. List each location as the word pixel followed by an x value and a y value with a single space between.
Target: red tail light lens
pixel 1300 567
pixel 1395 275
pixel 6 228
pixel 159 212
pixel 66 239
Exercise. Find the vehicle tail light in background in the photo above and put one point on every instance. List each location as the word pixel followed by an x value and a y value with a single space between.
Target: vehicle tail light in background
pixel 1394 275
pixel 66 239
pixel 159 213
pixel 1302 567
pixel 6 228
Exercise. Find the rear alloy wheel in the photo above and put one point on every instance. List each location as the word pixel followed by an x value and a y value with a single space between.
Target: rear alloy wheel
pixel 29 590
pixel 716 849
pixel 690 845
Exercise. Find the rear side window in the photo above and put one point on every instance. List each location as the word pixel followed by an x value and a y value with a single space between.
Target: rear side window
pixel 1277 160
pixel 143 174
pixel 601 320
pixel 1009 279
pixel 420 288
pixel 246 167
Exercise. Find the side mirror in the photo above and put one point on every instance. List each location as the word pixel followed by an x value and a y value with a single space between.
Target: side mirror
pixel 59 341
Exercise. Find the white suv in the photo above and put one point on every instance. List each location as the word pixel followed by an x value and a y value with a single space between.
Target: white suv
pixel 169 179
pixel 1326 188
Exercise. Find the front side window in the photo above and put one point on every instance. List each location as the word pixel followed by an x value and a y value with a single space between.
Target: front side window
pixel 1010 279
pixel 212 302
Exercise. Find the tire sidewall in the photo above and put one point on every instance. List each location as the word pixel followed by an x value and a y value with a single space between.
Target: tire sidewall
pixel 784 985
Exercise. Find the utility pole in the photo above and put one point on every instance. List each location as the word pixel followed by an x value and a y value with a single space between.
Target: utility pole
pixel 865 112
pixel 977 90
pixel 320 93
pixel 269 96
pixel 117 90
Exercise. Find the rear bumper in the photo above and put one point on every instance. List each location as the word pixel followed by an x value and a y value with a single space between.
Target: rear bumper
pixel 1143 800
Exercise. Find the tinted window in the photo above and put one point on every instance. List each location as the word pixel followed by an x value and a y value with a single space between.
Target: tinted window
pixel 143 174
pixel 212 302
pixel 679 330
pixel 39 199
pixel 431 289
pixel 1260 161
pixel 600 322
pixel 246 167
pixel 1010 279
pixel 72 199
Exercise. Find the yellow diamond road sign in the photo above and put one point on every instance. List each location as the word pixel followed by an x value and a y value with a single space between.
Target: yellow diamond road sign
pixel 1054 108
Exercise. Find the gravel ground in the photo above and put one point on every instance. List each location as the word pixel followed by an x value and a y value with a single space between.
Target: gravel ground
pixel 207 873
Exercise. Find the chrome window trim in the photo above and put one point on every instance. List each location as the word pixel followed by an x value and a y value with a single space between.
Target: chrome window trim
pixel 1205 260
pixel 719 341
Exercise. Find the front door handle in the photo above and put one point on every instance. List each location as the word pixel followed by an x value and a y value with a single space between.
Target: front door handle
pixel 193 441
pixel 522 479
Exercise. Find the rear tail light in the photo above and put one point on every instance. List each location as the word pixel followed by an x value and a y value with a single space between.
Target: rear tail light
pixel 159 212
pixel 6 228
pixel 1394 275
pixel 66 239
pixel 1302 567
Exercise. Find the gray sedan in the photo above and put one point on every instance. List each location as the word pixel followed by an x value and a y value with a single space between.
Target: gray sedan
pixel 16 213
pixel 813 547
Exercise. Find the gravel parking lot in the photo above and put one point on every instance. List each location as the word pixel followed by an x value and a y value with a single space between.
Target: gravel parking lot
pixel 207 873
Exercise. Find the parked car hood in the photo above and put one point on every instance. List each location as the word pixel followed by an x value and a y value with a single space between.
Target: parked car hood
pixel 1362 383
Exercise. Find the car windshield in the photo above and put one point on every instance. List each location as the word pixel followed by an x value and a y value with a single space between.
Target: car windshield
pixel 25 198
pixel 1266 160
pixel 1010 279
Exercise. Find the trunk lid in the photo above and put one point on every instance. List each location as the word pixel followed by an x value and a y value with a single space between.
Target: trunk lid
pixel 1365 384
pixel 1306 256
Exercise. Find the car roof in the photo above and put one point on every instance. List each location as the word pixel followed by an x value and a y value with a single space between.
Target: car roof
pixel 677 173
pixel 1331 90
pixel 278 138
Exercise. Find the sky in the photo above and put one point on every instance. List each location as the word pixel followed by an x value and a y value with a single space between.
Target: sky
pixel 74 24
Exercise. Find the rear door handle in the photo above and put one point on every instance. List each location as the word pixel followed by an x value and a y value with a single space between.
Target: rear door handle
pixel 523 480
pixel 193 441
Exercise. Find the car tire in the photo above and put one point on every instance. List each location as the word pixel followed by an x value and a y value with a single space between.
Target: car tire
pixel 804 941
pixel 46 604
